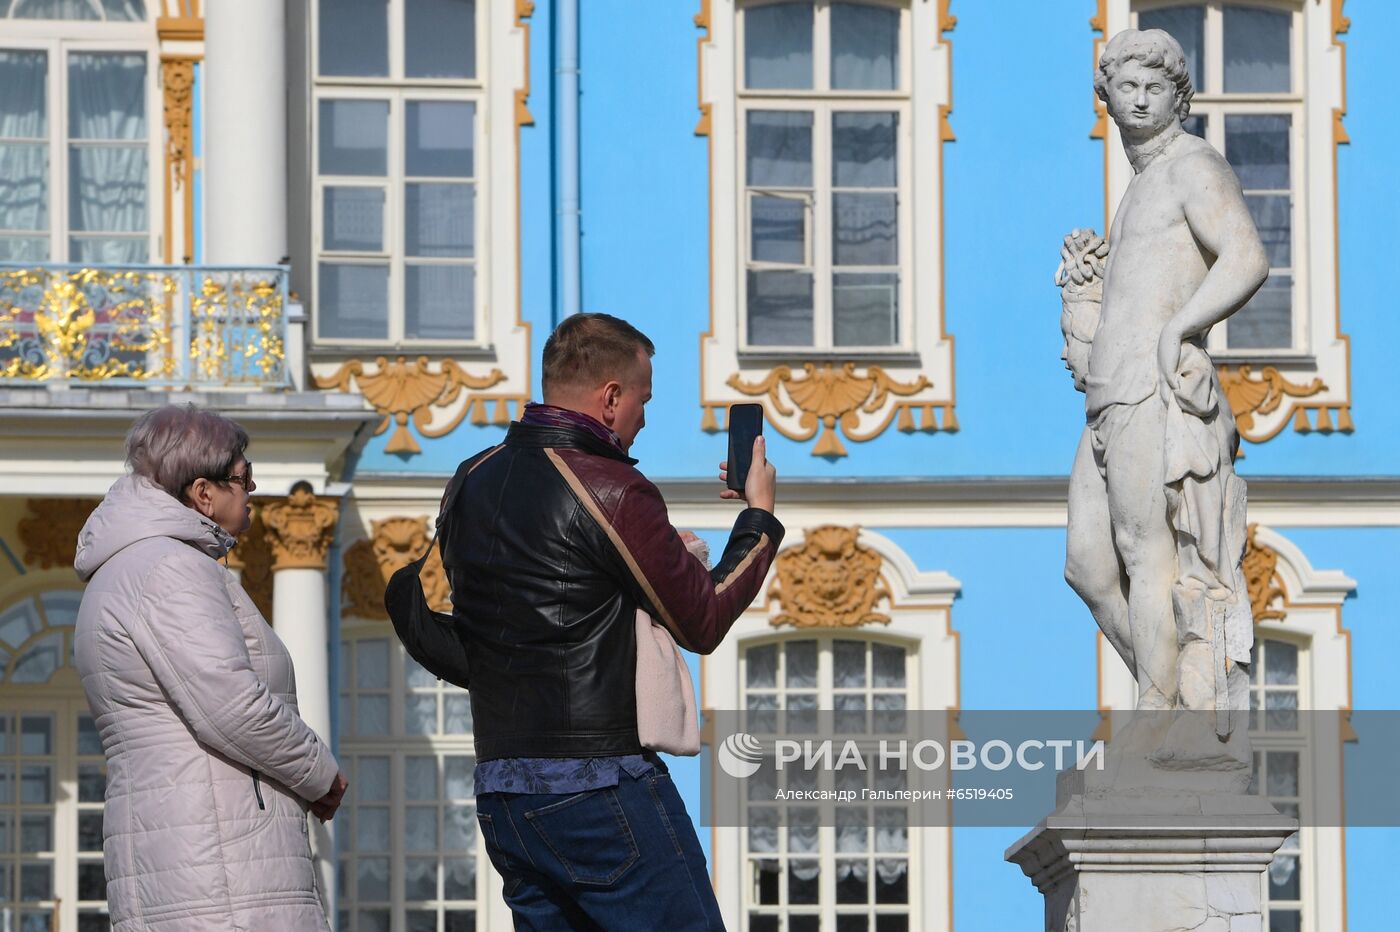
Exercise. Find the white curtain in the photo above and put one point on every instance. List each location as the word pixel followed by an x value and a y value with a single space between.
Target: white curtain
pixel 108 170
pixel 24 166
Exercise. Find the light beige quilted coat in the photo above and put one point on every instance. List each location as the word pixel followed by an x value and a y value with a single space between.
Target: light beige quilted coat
pixel 193 694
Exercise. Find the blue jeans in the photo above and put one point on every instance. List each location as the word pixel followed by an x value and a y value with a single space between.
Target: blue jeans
pixel 623 857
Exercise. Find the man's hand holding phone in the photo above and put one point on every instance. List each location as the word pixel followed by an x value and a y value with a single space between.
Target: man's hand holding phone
pixel 754 481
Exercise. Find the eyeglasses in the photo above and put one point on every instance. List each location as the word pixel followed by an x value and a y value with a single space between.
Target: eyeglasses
pixel 245 480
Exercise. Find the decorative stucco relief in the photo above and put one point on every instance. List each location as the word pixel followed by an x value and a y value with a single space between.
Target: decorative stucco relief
pixel 50 531
pixel 393 544
pixel 299 529
pixel 830 581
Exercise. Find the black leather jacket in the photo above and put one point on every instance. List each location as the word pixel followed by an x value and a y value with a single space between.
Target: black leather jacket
pixel 552 544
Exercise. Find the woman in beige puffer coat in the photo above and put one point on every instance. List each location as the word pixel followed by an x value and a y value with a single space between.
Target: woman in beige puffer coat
pixel 210 768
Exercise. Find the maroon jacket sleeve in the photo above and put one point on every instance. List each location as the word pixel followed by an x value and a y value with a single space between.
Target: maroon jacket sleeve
pixel 697 605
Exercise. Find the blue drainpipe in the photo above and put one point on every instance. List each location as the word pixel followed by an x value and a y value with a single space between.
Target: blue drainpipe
pixel 566 155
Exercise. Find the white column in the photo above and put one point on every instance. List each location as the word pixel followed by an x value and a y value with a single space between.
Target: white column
pixel 300 531
pixel 245 131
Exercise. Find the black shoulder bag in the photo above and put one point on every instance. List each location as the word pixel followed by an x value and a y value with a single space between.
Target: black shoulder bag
pixel 432 638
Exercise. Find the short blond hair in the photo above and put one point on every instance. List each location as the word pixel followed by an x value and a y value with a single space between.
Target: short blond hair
pixel 177 444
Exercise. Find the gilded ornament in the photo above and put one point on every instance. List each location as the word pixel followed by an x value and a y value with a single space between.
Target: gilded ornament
pixel 1262 578
pixel 1249 396
pixel 50 531
pixel 399 389
pixel 831 581
pixel 252 557
pixel 393 544
pixel 177 80
pixel 829 397
pixel 299 529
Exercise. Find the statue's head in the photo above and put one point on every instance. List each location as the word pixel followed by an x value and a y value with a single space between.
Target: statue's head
pixel 1144 81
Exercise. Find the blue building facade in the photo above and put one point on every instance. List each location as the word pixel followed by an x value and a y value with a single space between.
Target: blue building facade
pixel 848 212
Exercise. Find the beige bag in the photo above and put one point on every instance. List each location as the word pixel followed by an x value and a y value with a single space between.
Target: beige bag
pixel 666 713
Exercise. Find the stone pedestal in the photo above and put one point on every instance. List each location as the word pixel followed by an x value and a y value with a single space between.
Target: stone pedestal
pixel 1151 859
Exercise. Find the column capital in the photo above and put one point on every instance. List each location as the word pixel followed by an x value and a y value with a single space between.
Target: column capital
pixel 299 529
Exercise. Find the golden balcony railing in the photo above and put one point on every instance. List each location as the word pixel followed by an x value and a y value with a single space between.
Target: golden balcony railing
pixel 151 325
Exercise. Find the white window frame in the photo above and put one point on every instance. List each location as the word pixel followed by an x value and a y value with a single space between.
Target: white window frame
pixel 822 102
pixel 59 39
pixel 62 696
pixel 922 361
pixel 1312 605
pixel 495 184
pixel 1212 102
pixel 920 612
pixel 1320 350
pixel 827 908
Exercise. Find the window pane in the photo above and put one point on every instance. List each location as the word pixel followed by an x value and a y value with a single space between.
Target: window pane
pixel 354 137
pixel 420 878
pixel 801 665
pixel 458 772
pixel 1285 920
pixel 89 740
pixel 353 303
pixel 371 779
pixel 892 881
pixel 1256 50
pixel 439 220
pixel 1257 148
pixel 780 308
pixel 864 231
pixel 1272 215
pixel 779 229
pixel 129 11
pixel 420 776
pixel 36 735
pixel 354 38
pixel 863 150
pixel 1185 24
pixel 864 47
pixel 1266 322
pixel 1195 125
pixel 457 710
pixel 779 149
pixel 761 664
pixel 372 664
pixel 372 828
pixel 439 302
pixel 421 828
pixel 1283 878
pixel 778 46
pixel 440 38
pixel 54 9
pixel 92 881
pixel 21 248
pixel 420 715
pixel 889 665
pixel 372 715
pixel 353 219
pixel 106 96
pixel 440 139
pixel 372 881
pixel 848 664
pixel 865 308
pixel 1280 664
pixel 23 95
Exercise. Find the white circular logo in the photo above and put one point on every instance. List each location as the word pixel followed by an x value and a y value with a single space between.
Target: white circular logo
pixel 740 755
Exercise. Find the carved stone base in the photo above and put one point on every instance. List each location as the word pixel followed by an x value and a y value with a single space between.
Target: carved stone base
pixel 1153 861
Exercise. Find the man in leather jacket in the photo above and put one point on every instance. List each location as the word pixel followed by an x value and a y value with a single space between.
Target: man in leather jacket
pixel 551 545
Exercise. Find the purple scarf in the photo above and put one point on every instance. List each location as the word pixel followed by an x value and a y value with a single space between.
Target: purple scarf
pixel 543 415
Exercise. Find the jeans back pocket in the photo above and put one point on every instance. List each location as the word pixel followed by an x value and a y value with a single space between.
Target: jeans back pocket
pixel 588 833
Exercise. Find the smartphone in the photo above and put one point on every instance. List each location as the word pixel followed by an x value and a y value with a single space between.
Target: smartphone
pixel 745 425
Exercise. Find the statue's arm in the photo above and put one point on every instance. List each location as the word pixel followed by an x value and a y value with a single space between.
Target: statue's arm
pixel 1219 219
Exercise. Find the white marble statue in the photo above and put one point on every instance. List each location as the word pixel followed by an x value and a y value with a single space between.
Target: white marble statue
pixel 1156 511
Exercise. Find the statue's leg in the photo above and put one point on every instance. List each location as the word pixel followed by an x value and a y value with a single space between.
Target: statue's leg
pixel 1137 506
pixel 1091 561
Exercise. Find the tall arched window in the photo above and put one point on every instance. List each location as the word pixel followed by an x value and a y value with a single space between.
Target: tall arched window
pixel 863 657
pixel 407 848
pixel 53 776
